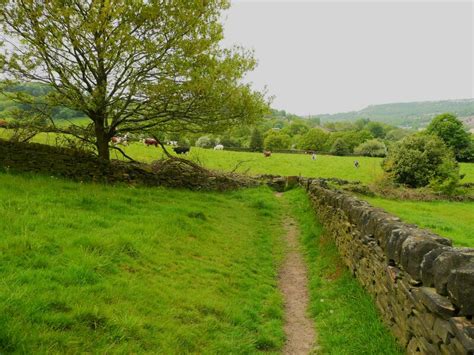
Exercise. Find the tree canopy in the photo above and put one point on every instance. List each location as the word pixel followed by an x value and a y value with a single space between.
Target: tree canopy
pixel 451 130
pixel 129 65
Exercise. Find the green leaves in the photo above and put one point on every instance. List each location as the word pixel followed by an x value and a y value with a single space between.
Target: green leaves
pixel 451 130
pixel 133 65
pixel 420 160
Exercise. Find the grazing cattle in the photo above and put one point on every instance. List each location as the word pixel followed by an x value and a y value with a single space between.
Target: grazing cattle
pixel 150 141
pixel 173 143
pixel 267 153
pixel 181 150
pixel 119 140
pixel 356 164
pixel 3 124
pixel 219 147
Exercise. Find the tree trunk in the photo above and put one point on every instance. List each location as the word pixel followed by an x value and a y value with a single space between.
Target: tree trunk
pixel 102 141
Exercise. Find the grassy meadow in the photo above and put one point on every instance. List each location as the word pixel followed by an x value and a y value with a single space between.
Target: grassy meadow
pixel 325 166
pixel 278 164
pixel 450 219
pixel 92 268
pixel 454 220
pixel 103 269
pixel 346 318
pixel 117 269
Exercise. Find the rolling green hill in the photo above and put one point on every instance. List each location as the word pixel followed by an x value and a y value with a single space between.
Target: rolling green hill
pixel 408 114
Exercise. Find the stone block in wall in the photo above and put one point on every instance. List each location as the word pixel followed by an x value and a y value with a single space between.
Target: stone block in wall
pixel 463 329
pixel 384 227
pixel 427 348
pixel 394 243
pixel 402 335
pixel 413 346
pixel 443 330
pixel 447 349
pixel 436 303
pixel 448 261
pixel 406 291
pixel 427 272
pixel 461 289
pixel 417 326
pixel 414 249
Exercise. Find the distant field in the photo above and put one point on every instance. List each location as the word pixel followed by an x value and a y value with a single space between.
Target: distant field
pixel 95 269
pixel 454 220
pixel 278 164
pixel 283 163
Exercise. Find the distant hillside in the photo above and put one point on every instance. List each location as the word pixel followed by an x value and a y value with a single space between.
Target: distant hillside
pixel 409 114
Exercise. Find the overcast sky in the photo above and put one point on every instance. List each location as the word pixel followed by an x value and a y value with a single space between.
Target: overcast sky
pixel 318 57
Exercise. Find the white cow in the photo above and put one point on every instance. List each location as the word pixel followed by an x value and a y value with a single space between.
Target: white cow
pixel 219 147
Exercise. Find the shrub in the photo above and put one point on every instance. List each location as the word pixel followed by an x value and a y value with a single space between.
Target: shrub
pixel 204 142
pixel 314 139
pixel 372 148
pixel 351 138
pixel 422 160
pixel 340 147
pixel 277 140
pixel 228 141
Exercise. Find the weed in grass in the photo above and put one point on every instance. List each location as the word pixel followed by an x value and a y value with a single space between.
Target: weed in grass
pixel 198 215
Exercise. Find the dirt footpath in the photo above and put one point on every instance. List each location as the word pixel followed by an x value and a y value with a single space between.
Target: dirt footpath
pixel 299 328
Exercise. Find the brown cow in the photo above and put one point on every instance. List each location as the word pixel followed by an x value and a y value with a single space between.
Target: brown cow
pixel 120 140
pixel 150 141
pixel 267 153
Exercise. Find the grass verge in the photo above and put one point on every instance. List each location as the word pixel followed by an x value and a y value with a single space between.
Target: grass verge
pixel 346 318
pixel 92 268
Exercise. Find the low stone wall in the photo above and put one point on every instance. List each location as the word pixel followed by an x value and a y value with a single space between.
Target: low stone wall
pixel 78 166
pixel 423 287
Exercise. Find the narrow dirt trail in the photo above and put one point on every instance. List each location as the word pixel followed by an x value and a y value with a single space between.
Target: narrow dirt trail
pixel 299 328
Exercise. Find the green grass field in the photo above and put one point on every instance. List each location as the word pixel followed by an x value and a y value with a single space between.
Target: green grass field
pixel 345 316
pixel 102 269
pixel 282 163
pixel 91 268
pixel 454 220
pixel 278 164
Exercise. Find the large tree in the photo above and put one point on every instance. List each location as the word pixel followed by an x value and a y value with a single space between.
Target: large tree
pixel 129 65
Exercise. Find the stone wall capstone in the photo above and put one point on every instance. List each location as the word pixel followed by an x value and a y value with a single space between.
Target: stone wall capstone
pixel 421 284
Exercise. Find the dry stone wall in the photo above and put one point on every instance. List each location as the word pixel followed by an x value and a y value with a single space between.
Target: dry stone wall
pixel 79 166
pixel 423 287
